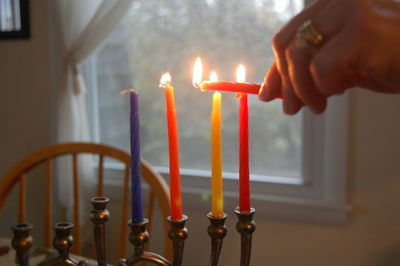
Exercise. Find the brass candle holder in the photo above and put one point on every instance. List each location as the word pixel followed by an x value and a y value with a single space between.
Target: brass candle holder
pixel 22 242
pixel 99 216
pixel 217 231
pixel 246 227
pixel 62 242
pixel 138 237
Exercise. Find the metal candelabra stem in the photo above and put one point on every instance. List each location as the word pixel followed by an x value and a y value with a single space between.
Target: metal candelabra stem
pixel 99 216
pixel 22 241
pixel 217 231
pixel 62 242
pixel 246 227
pixel 178 234
pixel 138 238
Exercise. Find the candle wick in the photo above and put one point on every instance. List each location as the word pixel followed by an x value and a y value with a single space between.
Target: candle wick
pixel 164 84
pixel 125 92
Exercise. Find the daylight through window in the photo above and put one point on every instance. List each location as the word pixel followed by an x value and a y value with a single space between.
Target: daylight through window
pixel 158 36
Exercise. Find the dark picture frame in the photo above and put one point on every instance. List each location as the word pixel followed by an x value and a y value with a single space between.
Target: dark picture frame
pixel 24 30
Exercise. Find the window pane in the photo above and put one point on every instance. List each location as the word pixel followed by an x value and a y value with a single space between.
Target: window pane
pixel 157 36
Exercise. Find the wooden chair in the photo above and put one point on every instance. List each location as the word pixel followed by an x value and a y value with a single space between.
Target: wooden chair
pixel 18 174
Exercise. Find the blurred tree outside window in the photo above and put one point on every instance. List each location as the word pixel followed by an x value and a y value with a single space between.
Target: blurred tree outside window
pixel 159 36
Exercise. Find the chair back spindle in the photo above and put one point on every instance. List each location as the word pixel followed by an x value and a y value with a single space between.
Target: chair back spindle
pixel 22 199
pixel 76 213
pixel 124 213
pixel 100 184
pixel 48 204
pixel 149 214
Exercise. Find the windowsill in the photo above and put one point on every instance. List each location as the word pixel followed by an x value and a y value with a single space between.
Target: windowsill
pixel 234 176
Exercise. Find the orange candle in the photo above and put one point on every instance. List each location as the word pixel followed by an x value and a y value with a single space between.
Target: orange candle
pixel 174 175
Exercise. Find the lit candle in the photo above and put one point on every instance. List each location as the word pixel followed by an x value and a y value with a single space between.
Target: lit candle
pixel 217 203
pixel 136 182
pixel 245 87
pixel 244 173
pixel 231 86
pixel 175 186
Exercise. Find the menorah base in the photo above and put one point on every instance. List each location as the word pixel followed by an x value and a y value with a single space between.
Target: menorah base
pixel 138 237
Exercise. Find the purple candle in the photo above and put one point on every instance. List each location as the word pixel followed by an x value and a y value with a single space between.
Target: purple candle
pixel 136 182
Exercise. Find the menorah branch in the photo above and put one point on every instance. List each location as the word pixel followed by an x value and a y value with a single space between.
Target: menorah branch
pixel 246 227
pixel 62 242
pixel 22 242
pixel 217 231
pixel 138 238
pixel 178 234
pixel 99 216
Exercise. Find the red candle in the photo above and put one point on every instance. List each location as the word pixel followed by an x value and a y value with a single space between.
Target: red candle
pixel 238 86
pixel 244 87
pixel 174 175
pixel 244 172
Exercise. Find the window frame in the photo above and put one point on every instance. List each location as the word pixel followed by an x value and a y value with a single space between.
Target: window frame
pixel 319 197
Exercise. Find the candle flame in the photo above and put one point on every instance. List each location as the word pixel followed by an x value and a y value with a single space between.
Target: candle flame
pixel 197 73
pixel 165 80
pixel 213 76
pixel 241 73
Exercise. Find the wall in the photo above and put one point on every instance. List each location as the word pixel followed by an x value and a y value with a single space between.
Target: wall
pixel 371 238
pixel 25 101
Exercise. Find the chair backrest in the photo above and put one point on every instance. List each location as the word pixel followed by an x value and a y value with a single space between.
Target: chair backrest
pixel 17 175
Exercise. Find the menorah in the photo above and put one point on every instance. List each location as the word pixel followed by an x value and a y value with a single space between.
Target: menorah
pixel 138 237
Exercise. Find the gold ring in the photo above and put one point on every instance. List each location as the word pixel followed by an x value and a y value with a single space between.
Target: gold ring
pixel 308 36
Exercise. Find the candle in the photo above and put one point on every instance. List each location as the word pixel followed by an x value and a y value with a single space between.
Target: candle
pixel 244 87
pixel 217 204
pixel 175 186
pixel 238 87
pixel 136 183
pixel 244 173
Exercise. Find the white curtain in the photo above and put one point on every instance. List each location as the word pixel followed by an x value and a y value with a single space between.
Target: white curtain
pixel 85 25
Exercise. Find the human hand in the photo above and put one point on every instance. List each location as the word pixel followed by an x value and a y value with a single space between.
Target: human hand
pixel 360 47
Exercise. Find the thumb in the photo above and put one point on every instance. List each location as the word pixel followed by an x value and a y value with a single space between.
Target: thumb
pixel 272 85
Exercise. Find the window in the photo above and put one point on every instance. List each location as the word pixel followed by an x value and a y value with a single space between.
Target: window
pixel 159 36
pixel 14 19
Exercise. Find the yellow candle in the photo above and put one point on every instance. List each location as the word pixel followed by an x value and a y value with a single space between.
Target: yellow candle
pixel 217 207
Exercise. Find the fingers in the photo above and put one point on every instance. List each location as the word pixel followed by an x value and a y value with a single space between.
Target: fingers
pixel 291 102
pixel 283 38
pixel 299 59
pixel 330 67
pixel 332 18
